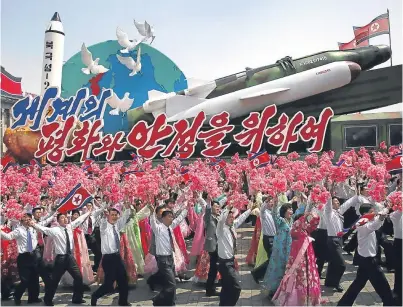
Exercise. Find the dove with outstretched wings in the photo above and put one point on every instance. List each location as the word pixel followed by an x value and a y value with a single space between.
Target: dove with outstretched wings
pixel 145 30
pixel 119 105
pixel 130 63
pixel 123 40
pixel 92 67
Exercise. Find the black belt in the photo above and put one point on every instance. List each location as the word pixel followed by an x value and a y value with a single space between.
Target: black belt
pixel 164 256
pixel 28 253
pixel 113 254
pixel 268 236
pixel 226 260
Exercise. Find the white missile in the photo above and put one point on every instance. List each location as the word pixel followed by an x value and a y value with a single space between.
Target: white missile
pixel 53 54
pixel 252 99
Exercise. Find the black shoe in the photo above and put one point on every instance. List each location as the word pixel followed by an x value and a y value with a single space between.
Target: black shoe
pixel 212 293
pixel 151 286
pixel 49 303
pixel 80 301
pixel 125 304
pixel 17 301
pixel 254 277
pixel 339 288
pixel 34 301
pixel 93 301
pixel 183 277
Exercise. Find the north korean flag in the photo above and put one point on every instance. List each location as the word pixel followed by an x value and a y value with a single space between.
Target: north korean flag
pixel 181 155
pixel 359 41
pixel 6 162
pixel 185 174
pixel 219 164
pixel 137 173
pixel 136 158
pixel 395 165
pixel 344 163
pixel 87 165
pixel 76 199
pixel 378 26
pixel 29 168
pixel 259 159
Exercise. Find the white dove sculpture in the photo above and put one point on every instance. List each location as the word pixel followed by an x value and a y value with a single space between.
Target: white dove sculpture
pixel 145 30
pixel 92 66
pixel 122 105
pixel 123 40
pixel 134 66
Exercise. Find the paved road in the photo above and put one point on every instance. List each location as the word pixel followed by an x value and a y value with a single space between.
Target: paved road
pixel 191 294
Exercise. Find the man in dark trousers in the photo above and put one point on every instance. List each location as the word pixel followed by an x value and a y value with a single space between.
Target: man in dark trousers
pixel 112 263
pixel 65 260
pixel 269 231
pixel 333 214
pixel 226 236
pixel 91 232
pixel 368 268
pixel 164 247
pixel 210 243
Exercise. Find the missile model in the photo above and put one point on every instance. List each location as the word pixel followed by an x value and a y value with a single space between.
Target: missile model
pixel 53 54
pixel 253 89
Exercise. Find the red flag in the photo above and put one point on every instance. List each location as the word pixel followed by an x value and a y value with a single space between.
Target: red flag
pixel 77 198
pixel 6 162
pixel 378 26
pixel 259 159
pixel 395 165
pixel 185 174
pixel 355 43
pixel 10 85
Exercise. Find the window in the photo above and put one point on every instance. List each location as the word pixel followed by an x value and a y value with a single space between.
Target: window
pixel 361 136
pixel 395 134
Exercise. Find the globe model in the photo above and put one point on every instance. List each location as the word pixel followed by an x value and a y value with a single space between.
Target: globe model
pixel 158 72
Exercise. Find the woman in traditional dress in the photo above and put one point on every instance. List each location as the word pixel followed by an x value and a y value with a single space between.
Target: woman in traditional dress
pixel 281 248
pixel 300 285
pixel 81 255
pixel 251 257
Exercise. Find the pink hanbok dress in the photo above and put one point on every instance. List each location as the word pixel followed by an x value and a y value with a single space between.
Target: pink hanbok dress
pixel 300 285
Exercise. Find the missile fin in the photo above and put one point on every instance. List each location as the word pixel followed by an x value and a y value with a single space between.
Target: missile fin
pixel 178 104
pixel 263 94
pixel 192 82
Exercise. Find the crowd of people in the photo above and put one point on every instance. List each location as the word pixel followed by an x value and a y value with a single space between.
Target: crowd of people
pixel 303 210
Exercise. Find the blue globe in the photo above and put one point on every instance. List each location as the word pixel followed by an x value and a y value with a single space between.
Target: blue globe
pixel 158 72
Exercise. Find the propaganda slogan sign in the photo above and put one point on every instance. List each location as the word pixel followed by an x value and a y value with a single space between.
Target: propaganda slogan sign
pixel 75 127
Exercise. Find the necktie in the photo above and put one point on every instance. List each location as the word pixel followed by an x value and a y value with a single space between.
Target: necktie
pixel 171 240
pixel 231 229
pixel 89 225
pixel 68 247
pixel 116 235
pixel 29 242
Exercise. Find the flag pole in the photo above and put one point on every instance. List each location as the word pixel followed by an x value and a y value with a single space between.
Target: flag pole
pixel 390 40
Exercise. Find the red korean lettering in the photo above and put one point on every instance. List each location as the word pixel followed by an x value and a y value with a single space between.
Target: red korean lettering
pixel 144 137
pixel 214 137
pixel 283 134
pixel 85 138
pixel 185 138
pixel 254 128
pixel 110 144
pixel 54 140
pixel 316 130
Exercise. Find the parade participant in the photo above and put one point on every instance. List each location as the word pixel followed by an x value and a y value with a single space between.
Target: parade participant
pixel 333 214
pixel 27 241
pixel 226 247
pixel 64 261
pixel 80 254
pixel 269 231
pixel 283 220
pixel 112 262
pixel 396 218
pixel 9 269
pixel 90 230
pixel 368 268
pixel 300 285
pixel 210 244
pixel 165 250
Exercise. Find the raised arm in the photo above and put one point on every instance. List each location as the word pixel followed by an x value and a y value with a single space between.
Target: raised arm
pixel 153 223
pixel 143 213
pixel 48 219
pixel 11 235
pixel 96 213
pixel 123 220
pixel 239 221
pixel 80 220
pixel 179 218
pixel 221 222
pixel 51 232
pixel 370 226
pixel 355 200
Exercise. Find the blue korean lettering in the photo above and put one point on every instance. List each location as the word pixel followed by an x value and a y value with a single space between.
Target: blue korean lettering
pixel 67 107
pixel 33 110
pixel 93 108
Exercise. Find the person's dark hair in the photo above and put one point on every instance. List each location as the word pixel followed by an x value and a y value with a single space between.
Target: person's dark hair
pixel 214 202
pixel 227 189
pixel 365 208
pixel 59 215
pixel 298 216
pixel 204 195
pixel 36 209
pixel 159 208
pixel 113 209
pixel 174 196
pixel 75 211
pixel 138 202
pixel 28 214
pixel 166 212
pixel 284 209
pixel 44 197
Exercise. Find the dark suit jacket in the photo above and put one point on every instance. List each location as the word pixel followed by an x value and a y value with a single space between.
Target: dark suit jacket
pixel 210 226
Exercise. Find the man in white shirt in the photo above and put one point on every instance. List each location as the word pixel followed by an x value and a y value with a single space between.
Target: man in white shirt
pixel 396 218
pixel 112 263
pixel 164 251
pixel 27 242
pixel 333 214
pixel 269 231
pixel 65 260
pixel 368 268
pixel 226 236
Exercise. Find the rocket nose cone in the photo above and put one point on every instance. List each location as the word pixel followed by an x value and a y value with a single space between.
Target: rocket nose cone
pixel 385 52
pixel 355 70
pixel 56 17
